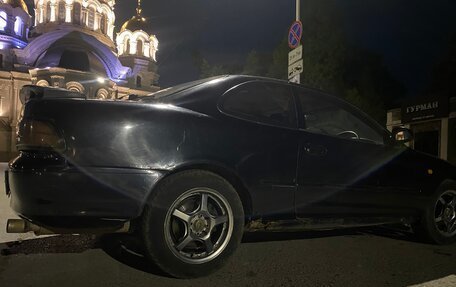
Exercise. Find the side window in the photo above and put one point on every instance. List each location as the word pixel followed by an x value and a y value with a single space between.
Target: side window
pixel 330 117
pixel 264 102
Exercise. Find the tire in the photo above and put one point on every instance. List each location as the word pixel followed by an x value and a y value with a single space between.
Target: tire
pixel 185 237
pixel 438 223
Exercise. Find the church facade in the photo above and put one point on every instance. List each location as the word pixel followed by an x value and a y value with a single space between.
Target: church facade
pixel 71 44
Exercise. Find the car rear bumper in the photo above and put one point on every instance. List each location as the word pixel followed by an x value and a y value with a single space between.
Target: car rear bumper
pixel 79 197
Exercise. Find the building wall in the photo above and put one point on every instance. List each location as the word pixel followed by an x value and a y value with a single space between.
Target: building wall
pixel 71 46
pixel 10 107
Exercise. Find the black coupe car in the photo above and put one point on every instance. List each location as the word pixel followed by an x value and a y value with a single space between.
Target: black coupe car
pixel 192 167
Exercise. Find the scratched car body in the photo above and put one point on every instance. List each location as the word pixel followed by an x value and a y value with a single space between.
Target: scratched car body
pixel 192 167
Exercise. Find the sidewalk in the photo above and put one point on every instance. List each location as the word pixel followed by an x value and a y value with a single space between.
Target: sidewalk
pixel 6 212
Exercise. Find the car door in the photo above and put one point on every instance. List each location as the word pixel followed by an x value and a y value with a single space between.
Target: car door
pixel 262 114
pixel 344 157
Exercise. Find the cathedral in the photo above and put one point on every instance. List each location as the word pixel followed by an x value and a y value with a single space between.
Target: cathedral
pixel 71 44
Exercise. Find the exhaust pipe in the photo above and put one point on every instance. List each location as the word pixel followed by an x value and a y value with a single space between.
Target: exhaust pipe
pixel 24 226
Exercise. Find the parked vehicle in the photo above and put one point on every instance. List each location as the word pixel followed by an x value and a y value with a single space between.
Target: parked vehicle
pixel 192 167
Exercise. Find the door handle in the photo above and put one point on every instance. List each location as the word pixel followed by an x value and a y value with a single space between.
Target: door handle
pixel 315 150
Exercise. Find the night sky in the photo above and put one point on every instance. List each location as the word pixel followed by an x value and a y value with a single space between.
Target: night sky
pixel 409 34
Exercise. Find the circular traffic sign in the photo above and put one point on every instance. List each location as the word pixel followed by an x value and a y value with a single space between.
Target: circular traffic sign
pixel 295 34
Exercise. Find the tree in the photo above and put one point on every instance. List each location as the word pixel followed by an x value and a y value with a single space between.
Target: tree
pixel 368 84
pixel 207 70
pixel 257 63
pixel 324 46
pixel 334 65
pixel 279 65
pixel 330 63
pixel 443 76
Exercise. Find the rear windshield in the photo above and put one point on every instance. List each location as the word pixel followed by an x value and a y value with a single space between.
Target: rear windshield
pixel 166 94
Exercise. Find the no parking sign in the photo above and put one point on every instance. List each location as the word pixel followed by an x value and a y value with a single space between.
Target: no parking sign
pixel 295 34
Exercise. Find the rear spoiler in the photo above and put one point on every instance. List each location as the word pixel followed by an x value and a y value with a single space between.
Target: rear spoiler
pixel 32 92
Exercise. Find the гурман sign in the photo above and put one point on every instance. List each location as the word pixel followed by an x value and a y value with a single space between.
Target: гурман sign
pixel 425 109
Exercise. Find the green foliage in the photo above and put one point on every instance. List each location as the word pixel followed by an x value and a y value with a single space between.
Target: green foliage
pixel 279 65
pixel 367 83
pixel 257 63
pixel 206 70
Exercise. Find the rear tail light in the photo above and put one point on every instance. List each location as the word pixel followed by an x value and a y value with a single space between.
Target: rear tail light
pixel 38 135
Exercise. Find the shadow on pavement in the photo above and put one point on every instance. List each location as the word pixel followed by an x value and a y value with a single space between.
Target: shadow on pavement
pixel 397 232
pixel 127 248
pixel 264 236
pixel 124 248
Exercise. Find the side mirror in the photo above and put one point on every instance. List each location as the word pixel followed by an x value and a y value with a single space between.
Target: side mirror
pixel 402 135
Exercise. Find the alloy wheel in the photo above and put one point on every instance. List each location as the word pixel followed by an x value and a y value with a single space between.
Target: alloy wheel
pixel 445 213
pixel 199 225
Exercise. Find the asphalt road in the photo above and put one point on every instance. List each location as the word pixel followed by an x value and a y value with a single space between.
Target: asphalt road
pixel 366 257
pixel 361 257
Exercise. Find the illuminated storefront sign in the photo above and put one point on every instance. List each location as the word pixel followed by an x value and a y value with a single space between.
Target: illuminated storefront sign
pixel 425 109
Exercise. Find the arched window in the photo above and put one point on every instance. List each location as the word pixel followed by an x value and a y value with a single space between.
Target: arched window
pixel 18 26
pixel 127 46
pixel 77 13
pixel 91 22
pixel 48 11
pixel 140 48
pixel 104 24
pixel 3 20
pixel 62 11
pixel 138 82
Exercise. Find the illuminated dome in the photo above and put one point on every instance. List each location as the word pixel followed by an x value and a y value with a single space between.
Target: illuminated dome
pixel 16 3
pixel 134 38
pixel 137 22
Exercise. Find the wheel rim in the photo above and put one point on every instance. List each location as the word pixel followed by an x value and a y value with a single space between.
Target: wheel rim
pixel 199 225
pixel 445 213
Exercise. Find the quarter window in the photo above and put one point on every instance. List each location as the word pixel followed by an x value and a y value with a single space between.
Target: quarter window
pixel 328 116
pixel 263 102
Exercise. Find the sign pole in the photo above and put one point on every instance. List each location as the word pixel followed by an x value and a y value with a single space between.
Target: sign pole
pixel 297 78
pixel 298 10
pixel 298 18
pixel 295 62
